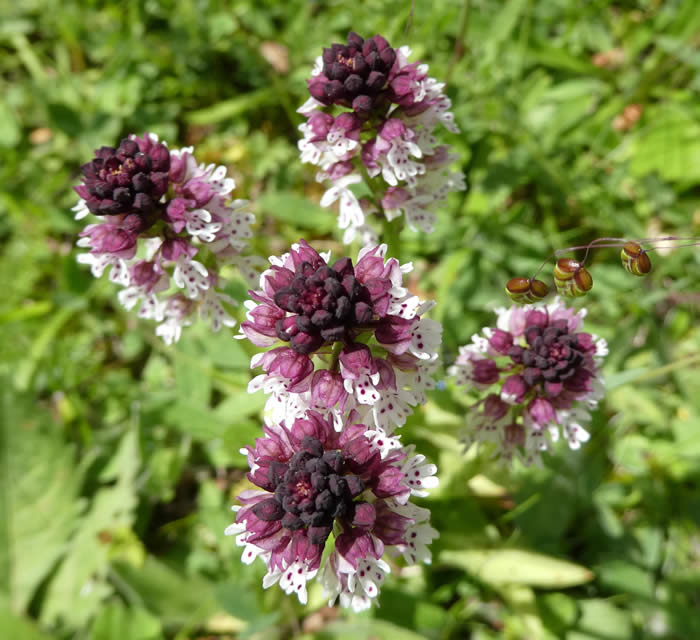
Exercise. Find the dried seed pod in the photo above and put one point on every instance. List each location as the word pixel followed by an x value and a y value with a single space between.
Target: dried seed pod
pixel 571 278
pixel 635 259
pixel 525 291
pixel 518 290
pixel 538 290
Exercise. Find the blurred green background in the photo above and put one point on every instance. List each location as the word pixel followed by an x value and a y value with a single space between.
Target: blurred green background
pixel 119 456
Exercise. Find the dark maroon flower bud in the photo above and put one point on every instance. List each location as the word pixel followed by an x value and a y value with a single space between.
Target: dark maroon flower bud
pixel 355 40
pixel 360 67
pixel 338 71
pixel 373 60
pixel 335 91
pixel 268 510
pixel 376 81
pixel 330 53
pixel 369 47
pixel 388 57
pixel 380 43
pixel 362 105
pixel 494 407
pixel 317 89
pixel 353 84
pixel 485 371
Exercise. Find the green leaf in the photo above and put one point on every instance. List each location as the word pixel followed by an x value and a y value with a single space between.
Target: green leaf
pixel 623 576
pixel 602 619
pixel 13 626
pixel 298 212
pixel 359 629
pixel 502 26
pixel 81 582
pixel 191 382
pixel 174 597
pixel 116 622
pixel 514 566
pixel 234 107
pixel 39 503
pixel 10 130
pixel 669 144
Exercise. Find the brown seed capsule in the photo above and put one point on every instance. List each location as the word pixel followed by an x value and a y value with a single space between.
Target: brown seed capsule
pixel 571 278
pixel 538 290
pixel 525 291
pixel 518 290
pixel 583 282
pixel 635 259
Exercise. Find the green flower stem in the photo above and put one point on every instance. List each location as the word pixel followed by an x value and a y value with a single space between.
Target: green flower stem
pixel 391 230
pixel 681 363
pixel 337 346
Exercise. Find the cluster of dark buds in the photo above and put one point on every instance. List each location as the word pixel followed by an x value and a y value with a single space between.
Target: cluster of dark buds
pixel 538 375
pixel 355 75
pixel 157 209
pixel 313 482
pixel 372 114
pixel 352 337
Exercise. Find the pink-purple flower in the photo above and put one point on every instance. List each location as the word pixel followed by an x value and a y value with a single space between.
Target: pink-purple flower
pixel 539 377
pixel 159 209
pixel 345 336
pixel 389 132
pixel 314 482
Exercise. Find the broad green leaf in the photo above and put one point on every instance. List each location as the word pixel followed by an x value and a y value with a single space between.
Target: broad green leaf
pixel 81 582
pixel 228 109
pixel 199 422
pixel 622 576
pixel 359 629
pixel 514 566
pixel 117 622
pixel 174 597
pixel 602 619
pixel 669 144
pixel 558 611
pixel 16 627
pixel 192 381
pixel 39 497
pixel 292 209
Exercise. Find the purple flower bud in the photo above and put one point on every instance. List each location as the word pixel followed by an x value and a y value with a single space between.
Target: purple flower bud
pixel 501 341
pixel 348 122
pixel 362 105
pixel 320 124
pixel 394 197
pixel 514 389
pixel 494 407
pixel 375 81
pixel 485 372
pixel 355 40
pixel 317 89
pixel 327 389
pixel 541 411
pixel 357 359
pixel 392 128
